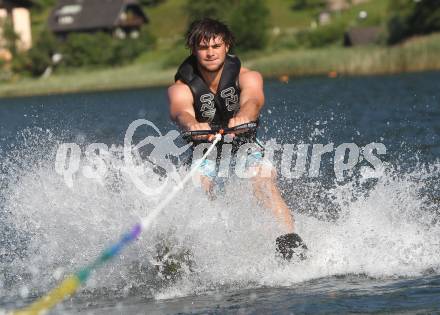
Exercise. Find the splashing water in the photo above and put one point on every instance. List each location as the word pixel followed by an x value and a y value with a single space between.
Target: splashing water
pixel 386 227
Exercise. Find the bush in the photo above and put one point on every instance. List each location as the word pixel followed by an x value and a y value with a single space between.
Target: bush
pixel 5 72
pixel 40 55
pixel 124 51
pixel 146 39
pixel 102 49
pixel 82 49
pixel 38 58
pixel 322 35
pixel 286 41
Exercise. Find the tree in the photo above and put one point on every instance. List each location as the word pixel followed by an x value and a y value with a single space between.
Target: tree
pixel 84 49
pixel 308 4
pixel 249 22
pixel 411 18
pixel 100 49
pixel 425 17
pixel 42 5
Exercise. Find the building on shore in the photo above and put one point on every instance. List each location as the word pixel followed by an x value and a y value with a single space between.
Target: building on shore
pixel 362 36
pixel 15 14
pixel 118 17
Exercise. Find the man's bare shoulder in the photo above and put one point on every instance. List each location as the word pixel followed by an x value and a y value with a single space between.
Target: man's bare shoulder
pixel 179 90
pixel 249 76
pixel 179 87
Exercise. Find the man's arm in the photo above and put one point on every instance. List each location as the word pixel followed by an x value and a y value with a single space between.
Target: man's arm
pixel 181 107
pixel 251 98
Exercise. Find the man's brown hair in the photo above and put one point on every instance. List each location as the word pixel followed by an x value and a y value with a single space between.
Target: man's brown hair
pixel 205 30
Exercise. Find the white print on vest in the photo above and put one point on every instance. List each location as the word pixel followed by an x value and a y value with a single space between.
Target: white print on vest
pixel 231 99
pixel 208 106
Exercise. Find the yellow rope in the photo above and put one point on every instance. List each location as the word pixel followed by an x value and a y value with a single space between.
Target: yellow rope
pixel 42 305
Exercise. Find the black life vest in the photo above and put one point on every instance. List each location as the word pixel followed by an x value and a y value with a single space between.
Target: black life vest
pixel 215 109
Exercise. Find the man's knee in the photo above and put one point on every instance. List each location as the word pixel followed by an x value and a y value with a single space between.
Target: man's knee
pixel 263 175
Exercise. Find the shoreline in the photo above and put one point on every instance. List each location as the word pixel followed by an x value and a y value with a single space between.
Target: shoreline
pixel 415 55
pixel 110 88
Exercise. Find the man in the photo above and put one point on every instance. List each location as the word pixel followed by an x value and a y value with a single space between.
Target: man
pixel 212 90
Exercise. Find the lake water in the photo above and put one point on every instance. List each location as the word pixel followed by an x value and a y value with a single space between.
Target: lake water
pixel 373 237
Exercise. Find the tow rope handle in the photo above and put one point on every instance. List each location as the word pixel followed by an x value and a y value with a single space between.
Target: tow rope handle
pixel 211 132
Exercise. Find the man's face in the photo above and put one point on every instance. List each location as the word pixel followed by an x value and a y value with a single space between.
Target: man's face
pixel 211 54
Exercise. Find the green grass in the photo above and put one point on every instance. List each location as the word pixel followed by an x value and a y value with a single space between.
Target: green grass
pixel 286 19
pixel 132 76
pixel 168 20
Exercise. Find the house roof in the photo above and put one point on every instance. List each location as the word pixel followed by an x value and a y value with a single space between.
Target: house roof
pixel 16 3
pixel 82 15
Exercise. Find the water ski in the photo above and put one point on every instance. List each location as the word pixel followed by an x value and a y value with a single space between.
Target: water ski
pixel 291 245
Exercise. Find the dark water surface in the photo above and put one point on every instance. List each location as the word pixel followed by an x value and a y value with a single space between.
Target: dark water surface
pixel 374 241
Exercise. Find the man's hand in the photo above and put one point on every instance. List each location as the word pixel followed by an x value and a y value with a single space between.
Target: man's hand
pixel 236 121
pixel 200 126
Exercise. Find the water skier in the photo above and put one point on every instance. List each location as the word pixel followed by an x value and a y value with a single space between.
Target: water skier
pixel 211 91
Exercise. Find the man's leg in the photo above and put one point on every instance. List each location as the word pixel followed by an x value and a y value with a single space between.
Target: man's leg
pixel 205 177
pixel 267 192
pixel 265 189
